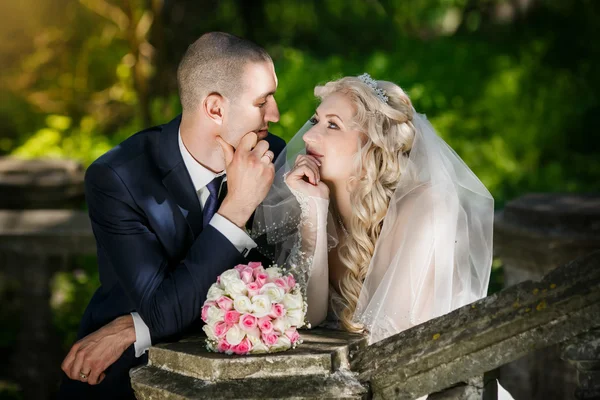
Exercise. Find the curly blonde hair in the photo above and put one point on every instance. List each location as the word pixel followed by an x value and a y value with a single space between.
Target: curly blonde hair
pixel 388 134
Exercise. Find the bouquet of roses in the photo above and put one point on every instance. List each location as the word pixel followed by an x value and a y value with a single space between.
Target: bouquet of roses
pixel 253 310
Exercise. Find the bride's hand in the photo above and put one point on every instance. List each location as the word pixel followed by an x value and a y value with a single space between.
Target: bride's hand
pixel 306 179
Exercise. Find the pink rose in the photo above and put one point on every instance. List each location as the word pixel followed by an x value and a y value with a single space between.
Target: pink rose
pixel 270 338
pixel 240 267
pixel 225 303
pixel 246 275
pixel 223 346
pixel 257 271
pixel 265 325
pixel 205 308
pixel 261 278
pixel 248 322
pixel 253 289
pixel 282 283
pixel 221 329
pixel 243 348
pixel 277 310
pixel 292 334
pixel 232 317
pixel 291 281
pixel 254 264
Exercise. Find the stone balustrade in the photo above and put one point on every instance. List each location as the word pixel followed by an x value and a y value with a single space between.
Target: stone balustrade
pixel 428 358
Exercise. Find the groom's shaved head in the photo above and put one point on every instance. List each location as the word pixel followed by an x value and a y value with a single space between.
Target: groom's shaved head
pixel 215 64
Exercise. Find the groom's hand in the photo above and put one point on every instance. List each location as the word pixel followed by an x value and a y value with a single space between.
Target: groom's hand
pixel 250 173
pixel 91 356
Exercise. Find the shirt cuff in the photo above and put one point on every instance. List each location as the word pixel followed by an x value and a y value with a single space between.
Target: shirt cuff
pixel 238 237
pixel 142 335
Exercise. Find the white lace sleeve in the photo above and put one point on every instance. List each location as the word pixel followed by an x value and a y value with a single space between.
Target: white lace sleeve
pixel 308 258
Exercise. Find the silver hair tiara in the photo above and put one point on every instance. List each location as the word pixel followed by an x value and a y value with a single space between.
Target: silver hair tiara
pixel 366 78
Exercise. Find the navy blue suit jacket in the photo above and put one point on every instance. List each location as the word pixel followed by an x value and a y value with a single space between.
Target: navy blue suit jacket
pixel 153 255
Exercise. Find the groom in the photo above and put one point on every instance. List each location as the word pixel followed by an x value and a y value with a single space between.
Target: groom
pixel 169 207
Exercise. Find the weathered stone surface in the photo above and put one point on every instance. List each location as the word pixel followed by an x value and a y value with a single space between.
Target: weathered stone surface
pixel 46 232
pixel 321 353
pixel 40 184
pixel 486 334
pixel 151 383
pixel 584 353
pixel 470 390
pixel 535 234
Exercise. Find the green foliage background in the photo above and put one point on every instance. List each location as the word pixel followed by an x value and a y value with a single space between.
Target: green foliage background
pixel 511 85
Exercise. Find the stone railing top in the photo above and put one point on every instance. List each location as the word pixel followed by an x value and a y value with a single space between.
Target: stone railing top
pixel 39 172
pixel 321 353
pixel 40 183
pixel 576 214
pixel 47 231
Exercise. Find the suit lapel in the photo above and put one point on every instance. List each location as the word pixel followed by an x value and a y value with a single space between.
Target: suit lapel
pixel 176 177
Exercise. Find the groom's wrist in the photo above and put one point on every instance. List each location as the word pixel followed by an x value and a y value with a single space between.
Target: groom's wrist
pixel 236 214
pixel 126 328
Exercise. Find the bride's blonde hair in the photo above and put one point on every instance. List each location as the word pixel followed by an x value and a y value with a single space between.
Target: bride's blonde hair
pixel 388 134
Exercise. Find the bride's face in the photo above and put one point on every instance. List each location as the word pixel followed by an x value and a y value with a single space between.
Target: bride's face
pixel 332 139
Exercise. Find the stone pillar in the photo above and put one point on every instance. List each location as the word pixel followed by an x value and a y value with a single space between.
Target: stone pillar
pixel 533 235
pixel 36 240
pixel 584 353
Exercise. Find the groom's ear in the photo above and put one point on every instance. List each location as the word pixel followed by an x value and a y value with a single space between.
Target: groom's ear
pixel 213 106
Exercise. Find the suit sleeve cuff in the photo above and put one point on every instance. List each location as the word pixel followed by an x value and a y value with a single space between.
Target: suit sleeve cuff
pixel 142 335
pixel 238 237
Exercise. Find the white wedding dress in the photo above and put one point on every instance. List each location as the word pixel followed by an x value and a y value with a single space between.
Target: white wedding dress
pixel 433 255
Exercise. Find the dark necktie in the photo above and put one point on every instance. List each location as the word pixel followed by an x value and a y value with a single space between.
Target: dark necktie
pixel 212 203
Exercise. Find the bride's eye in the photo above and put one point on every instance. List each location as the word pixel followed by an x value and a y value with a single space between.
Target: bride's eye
pixel 333 125
pixel 313 121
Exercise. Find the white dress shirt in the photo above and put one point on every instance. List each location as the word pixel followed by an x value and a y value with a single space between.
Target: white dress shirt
pixel 201 177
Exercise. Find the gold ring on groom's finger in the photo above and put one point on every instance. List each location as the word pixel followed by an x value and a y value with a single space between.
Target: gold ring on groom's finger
pixel 82 376
pixel 269 154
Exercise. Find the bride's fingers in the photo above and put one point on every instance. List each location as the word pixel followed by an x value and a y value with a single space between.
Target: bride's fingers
pixel 301 171
pixel 313 168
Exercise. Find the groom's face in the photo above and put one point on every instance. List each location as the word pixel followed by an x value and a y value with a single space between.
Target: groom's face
pixel 255 106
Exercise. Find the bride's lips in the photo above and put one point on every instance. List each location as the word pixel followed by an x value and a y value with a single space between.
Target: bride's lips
pixel 313 153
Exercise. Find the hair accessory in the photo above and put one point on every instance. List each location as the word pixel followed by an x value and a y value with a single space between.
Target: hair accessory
pixel 366 78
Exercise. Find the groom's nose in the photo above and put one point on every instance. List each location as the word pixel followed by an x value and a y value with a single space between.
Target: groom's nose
pixel 272 114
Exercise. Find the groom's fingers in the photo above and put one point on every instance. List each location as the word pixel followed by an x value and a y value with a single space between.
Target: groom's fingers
pixel 228 150
pixel 68 361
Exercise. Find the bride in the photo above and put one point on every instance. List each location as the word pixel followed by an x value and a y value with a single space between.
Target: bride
pixel 380 220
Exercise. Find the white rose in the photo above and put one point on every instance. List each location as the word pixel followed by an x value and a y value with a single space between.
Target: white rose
pixel 261 304
pixel 259 348
pixel 214 293
pixel 215 314
pixel 283 343
pixel 295 318
pixel 235 335
pixel 230 274
pixel 281 325
pixel 210 331
pixel 236 288
pixel 274 292
pixel 293 301
pixel 242 304
pixel 273 272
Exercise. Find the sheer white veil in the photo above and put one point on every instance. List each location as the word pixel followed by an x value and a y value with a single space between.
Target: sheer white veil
pixel 434 253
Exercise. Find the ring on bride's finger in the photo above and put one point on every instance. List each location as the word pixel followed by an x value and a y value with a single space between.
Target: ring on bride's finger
pixel 82 376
